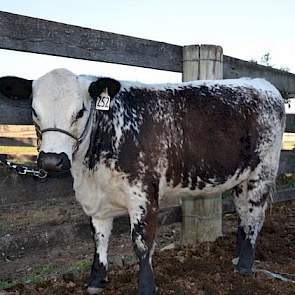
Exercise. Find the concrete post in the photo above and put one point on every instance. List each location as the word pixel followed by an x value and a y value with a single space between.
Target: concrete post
pixel 202 216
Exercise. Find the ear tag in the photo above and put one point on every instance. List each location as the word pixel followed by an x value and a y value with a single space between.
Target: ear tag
pixel 103 101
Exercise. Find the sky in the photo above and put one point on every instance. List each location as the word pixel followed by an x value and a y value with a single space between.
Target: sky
pixel 245 29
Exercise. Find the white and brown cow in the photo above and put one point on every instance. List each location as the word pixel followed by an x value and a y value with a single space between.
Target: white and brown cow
pixel 156 141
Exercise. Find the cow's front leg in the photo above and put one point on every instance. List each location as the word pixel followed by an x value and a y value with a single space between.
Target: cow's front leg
pixel 143 220
pixel 101 231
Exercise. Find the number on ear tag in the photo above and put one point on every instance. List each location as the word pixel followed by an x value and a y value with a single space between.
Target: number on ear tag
pixel 103 101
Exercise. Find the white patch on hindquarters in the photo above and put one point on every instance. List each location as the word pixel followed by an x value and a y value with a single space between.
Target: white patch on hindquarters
pixel 250 202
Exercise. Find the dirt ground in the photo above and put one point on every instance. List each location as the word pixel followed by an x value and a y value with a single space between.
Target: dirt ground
pixel 204 269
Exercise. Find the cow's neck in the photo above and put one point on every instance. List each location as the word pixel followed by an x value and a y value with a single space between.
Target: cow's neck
pixel 107 130
pixel 102 136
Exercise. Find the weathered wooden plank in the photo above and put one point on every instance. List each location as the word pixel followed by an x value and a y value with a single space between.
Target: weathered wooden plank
pixel 17 131
pixel 29 34
pixel 47 37
pixel 236 68
pixel 18 112
pixel 290 123
pixel 287 162
pixel 15 112
pixel 21 142
pixel 284 195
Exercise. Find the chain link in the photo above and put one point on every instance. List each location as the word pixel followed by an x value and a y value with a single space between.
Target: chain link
pixel 24 170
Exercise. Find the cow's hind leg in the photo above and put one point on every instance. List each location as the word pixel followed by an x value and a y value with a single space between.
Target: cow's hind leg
pixel 143 219
pixel 250 199
pixel 98 277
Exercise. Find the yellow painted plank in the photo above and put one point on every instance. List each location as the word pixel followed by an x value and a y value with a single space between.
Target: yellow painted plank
pixel 288 141
pixel 15 150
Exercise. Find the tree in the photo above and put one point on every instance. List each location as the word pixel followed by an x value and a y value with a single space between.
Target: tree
pixel 265 59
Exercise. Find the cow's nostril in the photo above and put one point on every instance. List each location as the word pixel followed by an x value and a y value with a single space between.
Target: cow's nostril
pixel 59 164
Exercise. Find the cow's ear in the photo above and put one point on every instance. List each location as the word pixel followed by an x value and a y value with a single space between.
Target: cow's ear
pixel 100 85
pixel 16 88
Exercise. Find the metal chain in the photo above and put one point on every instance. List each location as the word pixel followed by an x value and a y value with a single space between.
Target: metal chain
pixel 23 170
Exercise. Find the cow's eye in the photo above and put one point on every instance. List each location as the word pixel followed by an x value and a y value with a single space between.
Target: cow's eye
pixel 80 113
pixel 34 113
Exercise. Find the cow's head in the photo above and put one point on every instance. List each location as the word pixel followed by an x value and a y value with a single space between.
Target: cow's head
pixel 62 107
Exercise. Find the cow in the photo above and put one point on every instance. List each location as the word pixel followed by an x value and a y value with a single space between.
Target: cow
pixel 128 145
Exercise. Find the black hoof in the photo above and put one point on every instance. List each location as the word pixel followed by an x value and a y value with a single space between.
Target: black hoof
pixel 95 286
pixel 244 271
pixel 94 290
pixel 147 291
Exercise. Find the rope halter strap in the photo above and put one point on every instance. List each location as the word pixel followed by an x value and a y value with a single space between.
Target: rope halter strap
pixel 77 139
pixel 59 130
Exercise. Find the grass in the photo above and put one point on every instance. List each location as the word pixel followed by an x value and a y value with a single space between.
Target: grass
pixel 79 266
pixel 5 284
pixel 45 272
pixel 40 276
pixel 34 278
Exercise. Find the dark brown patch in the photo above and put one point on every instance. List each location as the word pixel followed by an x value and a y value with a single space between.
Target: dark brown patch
pixel 213 133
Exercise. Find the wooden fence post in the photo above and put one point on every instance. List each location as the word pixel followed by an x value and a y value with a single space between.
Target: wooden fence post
pixel 202 216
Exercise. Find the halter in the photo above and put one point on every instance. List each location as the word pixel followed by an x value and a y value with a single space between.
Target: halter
pixel 77 139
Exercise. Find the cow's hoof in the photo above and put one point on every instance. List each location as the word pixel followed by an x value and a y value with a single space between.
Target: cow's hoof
pixel 244 271
pixel 147 292
pixel 94 290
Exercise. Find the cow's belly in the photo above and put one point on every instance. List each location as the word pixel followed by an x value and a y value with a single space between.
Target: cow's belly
pixel 107 193
pixel 170 194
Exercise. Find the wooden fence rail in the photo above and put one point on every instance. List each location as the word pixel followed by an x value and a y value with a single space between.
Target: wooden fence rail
pixel 35 35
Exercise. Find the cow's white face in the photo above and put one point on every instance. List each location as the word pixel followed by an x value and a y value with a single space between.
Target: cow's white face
pixel 60 100
pixel 62 103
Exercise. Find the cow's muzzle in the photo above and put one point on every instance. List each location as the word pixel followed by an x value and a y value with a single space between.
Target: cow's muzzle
pixel 53 162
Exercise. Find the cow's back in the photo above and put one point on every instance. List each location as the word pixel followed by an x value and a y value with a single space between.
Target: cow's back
pixel 196 134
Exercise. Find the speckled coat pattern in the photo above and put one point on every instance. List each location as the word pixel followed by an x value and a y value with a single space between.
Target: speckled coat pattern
pixel 160 141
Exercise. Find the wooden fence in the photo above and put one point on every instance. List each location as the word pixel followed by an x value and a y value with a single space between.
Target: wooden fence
pixel 34 35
